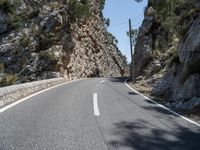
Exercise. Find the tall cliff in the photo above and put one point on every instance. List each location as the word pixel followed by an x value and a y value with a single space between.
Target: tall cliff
pixel 42 39
pixel 167 53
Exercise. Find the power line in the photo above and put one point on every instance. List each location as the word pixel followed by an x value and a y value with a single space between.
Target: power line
pixel 119 24
pixel 140 15
pixel 137 23
pixel 126 22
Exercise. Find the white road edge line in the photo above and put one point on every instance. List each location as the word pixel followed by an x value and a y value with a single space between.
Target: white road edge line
pixel 28 97
pixel 95 103
pixel 162 106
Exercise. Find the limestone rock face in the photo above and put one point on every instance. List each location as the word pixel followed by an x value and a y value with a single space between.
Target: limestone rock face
pixel 182 82
pixel 188 105
pixel 94 53
pixel 189 50
pixel 170 55
pixel 143 48
pixel 3 23
pixel 45 41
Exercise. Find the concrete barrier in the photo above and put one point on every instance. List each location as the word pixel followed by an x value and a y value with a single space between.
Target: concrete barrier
pixel 13 93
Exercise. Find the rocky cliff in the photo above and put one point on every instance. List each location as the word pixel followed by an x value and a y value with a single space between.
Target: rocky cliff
pixel 42 39
pixel 167 53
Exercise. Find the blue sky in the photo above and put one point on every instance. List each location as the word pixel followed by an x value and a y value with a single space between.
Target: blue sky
pixel 119 11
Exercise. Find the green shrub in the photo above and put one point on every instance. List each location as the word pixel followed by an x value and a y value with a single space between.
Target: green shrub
pixel 23 62
pixel 14 21
pixel 27 13
pixel 16 51
pixel 173 60
pixel 46 55
pixel 107 22
pixel 2 66
pixel 172 52
pixel 50 35
pixel 47 39
pixel 78 9
pixel 55 5
pixel 102 4
pixel 24 40
pixel 174 15
pixel 8 79
pixel 7 6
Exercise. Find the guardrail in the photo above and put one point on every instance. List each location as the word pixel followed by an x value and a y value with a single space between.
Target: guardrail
pixel 13 93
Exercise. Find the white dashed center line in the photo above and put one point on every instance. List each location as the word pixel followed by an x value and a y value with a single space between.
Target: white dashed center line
pixel 95 103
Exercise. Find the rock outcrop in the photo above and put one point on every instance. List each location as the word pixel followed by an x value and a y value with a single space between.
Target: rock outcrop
pixel 143 47
pixel 182 82
pixel 3 23
pixel 47 39
pixel 168 58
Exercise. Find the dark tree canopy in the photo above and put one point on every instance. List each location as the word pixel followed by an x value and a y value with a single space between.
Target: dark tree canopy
pixel 138 1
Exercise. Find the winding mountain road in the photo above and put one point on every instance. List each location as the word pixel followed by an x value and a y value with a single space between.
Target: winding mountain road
pixel 94 114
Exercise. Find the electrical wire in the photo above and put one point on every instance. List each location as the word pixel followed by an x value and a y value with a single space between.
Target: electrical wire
pixel 126 22
pixel 137 23
pixel 120 24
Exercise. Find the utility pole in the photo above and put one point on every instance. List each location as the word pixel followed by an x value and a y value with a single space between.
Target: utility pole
pixel 131 47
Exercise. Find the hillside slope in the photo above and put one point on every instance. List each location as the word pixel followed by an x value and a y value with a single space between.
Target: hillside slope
pixel 167 53
pixel 49 38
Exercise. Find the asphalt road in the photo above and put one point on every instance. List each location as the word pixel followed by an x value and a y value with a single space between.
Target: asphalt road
pixel 94 114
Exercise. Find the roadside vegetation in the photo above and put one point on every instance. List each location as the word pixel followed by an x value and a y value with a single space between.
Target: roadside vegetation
pixel 7 79
pixel 78 9
pixel 174 15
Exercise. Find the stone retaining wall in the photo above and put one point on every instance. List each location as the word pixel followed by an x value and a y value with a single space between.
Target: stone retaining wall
pixel 13 93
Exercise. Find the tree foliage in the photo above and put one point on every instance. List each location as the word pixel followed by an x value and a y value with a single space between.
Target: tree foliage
pixel 175 14
pixel 8 79
pixel 78 9
pixel 138 1
pixel 6 6
pixel 102 4
pixel 14 19
pixel 107 22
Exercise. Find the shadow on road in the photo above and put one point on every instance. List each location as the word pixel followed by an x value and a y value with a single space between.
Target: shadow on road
pixel 142 135
pixel 148 135
pixel 132 93
pixel 120 80
pixel 148 101
pixel 117 79
pixel 159 110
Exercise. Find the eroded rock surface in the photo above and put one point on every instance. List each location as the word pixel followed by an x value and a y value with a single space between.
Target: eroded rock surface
pixel 46 40
pixel 167 54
